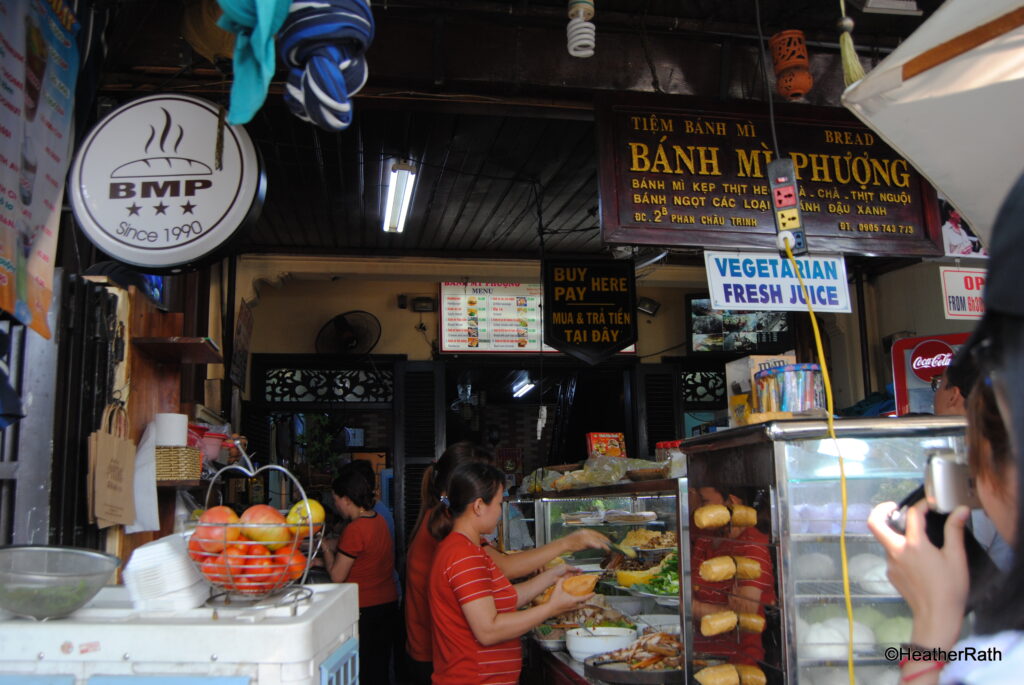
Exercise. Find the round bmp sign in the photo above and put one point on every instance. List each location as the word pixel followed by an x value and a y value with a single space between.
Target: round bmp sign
pixel 145 187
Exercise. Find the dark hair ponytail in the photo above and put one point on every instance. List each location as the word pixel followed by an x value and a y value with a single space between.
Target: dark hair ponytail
pixel 464 452
pixel 467 483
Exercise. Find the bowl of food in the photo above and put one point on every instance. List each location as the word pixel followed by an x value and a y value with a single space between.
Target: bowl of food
pixel 584 642
pixel 51 582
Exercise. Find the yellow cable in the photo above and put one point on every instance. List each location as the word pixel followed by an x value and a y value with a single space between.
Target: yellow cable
pixel 842 468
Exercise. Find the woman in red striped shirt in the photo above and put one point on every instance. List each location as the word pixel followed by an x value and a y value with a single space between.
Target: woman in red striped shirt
pixel 420 556
pixel 476 627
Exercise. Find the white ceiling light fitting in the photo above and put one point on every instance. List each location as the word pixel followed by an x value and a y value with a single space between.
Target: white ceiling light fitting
pixel 581 35
pixel 889 6
pixel 401 180
pixel 522 385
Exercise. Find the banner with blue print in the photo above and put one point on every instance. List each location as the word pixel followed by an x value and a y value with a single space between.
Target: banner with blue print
pixel 767 281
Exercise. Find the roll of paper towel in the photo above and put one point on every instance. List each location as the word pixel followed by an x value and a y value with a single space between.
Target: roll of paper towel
pixel 171 430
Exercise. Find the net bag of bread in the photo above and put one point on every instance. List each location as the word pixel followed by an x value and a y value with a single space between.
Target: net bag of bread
pixel 724 674
pixel 751 675
pixel 717 569
pixel 711 516
pixel 752 623
pixel 743 515
pixel 747 568
pixel 718 623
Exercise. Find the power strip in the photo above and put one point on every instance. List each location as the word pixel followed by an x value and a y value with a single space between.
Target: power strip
pixel 789 223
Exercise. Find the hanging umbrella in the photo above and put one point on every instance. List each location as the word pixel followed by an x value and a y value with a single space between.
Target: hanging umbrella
pixel 950 99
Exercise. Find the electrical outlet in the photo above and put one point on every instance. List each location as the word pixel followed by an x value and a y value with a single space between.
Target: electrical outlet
pixel 788 219
pixel 785 196
pixel 799 246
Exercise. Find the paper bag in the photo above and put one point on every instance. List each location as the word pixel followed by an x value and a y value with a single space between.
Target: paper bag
pixel 113 456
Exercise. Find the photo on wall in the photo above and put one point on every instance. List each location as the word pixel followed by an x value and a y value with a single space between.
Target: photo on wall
pixel 958 239
pixel 734 331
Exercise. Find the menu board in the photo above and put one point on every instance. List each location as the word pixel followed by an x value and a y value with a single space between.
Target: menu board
pixel 493 317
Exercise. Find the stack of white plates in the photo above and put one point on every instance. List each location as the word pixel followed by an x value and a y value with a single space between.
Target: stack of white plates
pixel 160 576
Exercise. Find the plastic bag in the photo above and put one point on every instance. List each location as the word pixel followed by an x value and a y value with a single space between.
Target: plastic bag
pixel 608 470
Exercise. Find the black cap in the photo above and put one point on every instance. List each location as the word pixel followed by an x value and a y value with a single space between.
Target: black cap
pixel 1004 288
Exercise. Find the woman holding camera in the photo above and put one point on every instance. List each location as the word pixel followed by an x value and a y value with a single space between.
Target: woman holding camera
pixel 934 581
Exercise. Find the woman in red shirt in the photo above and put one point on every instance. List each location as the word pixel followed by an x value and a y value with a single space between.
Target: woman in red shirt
pixel 476 625
pixel 420 557
pixel 365 556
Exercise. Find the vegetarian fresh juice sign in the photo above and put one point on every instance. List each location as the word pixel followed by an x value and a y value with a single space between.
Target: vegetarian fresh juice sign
pixel 769 282
pixel 589 307
pixel 674 174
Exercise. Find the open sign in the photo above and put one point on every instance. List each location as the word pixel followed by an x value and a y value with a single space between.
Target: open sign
pixel 974 282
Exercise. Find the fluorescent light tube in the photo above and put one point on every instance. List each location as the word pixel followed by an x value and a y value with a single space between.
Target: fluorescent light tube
pixel 401 180
pixel 523 389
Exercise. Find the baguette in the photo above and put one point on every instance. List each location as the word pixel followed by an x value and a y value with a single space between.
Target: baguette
pixel 711 516
pixel 743 515
pixel 718 623
pixel 725 674
pixel 580 585
pixel 752 623
pixel 747 568
pixel 718 569
pixel 750 675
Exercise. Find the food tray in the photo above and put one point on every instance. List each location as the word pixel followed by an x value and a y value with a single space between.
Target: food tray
pixel 620 673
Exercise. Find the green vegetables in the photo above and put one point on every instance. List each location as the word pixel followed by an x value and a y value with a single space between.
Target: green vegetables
pixel 544 629
pixel 45 602
pixel 667 580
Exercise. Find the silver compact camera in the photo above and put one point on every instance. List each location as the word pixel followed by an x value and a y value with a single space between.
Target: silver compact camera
pixel 947 481
pixel 947 485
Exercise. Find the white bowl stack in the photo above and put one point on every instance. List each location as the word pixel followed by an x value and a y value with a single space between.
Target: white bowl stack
pixel 161 577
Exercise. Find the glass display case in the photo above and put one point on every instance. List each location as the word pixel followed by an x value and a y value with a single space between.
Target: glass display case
pixel 787 472
pixel 784 476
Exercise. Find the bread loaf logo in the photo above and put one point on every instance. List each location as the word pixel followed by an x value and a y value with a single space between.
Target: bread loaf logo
pixel 146 186
pixel 155 177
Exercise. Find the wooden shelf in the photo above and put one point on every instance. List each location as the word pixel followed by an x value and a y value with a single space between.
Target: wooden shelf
pixel 180 350
pixel 178 483
pixel 666 485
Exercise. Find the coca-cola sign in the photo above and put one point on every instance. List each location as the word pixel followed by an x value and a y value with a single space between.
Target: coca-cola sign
pixel 930 359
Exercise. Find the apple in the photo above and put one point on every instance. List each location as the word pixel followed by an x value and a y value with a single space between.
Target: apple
pixel 216 529
pixel 264 523
pixel 298 517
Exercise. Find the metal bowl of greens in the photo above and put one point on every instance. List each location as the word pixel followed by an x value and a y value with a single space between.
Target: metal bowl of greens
pixel 51 582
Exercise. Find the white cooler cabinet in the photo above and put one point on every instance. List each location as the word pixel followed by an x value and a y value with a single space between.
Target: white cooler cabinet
pixel 108 642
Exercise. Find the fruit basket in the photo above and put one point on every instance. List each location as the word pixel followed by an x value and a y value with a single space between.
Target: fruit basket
pixel 262 552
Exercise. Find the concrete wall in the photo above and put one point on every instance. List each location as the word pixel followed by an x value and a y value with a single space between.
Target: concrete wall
pixel 288 317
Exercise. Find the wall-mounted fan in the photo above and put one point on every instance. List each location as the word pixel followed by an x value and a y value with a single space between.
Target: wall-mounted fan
pixel 352 334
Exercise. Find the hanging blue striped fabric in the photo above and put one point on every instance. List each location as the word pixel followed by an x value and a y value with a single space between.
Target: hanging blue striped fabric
pixel 323 42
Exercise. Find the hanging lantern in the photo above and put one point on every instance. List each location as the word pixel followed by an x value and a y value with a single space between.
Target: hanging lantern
pixel 789 55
